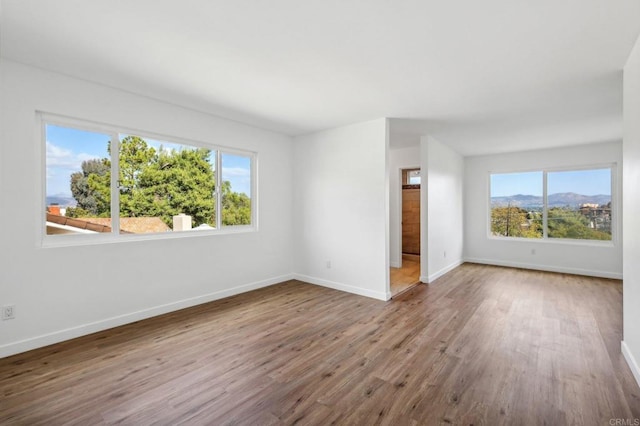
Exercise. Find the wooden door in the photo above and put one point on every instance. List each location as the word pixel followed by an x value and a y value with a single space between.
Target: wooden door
pixel 411 221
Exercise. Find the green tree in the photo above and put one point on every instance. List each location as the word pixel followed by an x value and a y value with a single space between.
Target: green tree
pixel 564 222
pixel 77 212
pixel 174 182
pixel 134 157
pixel 236 206
pixel 515 222
pixel 157 183
pixel 85 188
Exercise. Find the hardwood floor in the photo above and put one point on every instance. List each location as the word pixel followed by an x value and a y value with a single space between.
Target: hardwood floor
pixel 481 345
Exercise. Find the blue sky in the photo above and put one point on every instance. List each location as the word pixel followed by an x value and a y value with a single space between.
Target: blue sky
pixel 505 184
pixel 67 148
pixel 585 182
pixel 237 170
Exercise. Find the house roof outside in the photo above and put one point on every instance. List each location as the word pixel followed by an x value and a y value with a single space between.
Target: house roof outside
pixel 128 225
pixel 133 225
pixel 78 223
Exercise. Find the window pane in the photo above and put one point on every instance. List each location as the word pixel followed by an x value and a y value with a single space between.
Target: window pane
pixel 164 186
pixel 579 204
pixel 236 189
pixel 78 170
pixel 413 177
pixel 516 205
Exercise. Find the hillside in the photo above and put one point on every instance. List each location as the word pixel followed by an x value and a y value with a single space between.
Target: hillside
pixel 61 201
pixel 563 199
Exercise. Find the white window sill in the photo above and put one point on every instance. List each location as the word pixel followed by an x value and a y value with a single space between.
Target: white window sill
pixel 52 241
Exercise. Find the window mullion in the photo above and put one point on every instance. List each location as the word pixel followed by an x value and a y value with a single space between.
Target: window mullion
pixel 115 183
pixel 613 169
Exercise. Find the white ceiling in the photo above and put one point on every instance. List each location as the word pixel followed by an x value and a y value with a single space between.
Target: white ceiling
pixel 482 76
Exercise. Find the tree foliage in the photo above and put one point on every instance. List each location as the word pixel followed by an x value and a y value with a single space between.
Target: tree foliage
pixel 158 183
pixel 171 183
pixel 135 156
pixel 515 222
pixel 561 223
pixel 569 223
pixel 90 201
pixel 236 206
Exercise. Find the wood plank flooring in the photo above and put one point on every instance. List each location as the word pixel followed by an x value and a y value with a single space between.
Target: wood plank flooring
pixel 481 345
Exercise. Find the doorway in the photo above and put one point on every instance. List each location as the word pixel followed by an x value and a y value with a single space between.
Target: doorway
pixel 408 274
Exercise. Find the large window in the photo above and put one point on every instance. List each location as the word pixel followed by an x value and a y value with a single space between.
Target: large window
pixel 568 204
pixel 156 186
pixel 517 205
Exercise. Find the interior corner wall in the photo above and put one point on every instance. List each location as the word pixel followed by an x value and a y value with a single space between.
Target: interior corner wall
pixel 558 256
pixel 63 292
pixel 400 158
pixel 441 209
pixel 631 208
pixel 340 209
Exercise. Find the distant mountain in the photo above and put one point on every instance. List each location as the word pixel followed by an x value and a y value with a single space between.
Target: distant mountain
pixel 563 199
pixel 62 201
pixel 573 199
pixel 518 200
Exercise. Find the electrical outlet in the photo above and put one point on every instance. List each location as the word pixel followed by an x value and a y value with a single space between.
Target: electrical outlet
pixel 445 254
pixel 328 264
pixel 533 251
pixel 8 312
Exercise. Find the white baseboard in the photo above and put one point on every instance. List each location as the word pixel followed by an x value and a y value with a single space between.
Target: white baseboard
pixel 548 268
pixel 395 264
pixel 343 287
pixel 633 365
pixel 82 330
pixel 431 278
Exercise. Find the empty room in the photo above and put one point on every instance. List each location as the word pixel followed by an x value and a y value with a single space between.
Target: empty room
pixel 353 213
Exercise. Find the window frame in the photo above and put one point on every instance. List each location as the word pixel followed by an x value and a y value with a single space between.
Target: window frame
pixel 115 132
pixel 545 239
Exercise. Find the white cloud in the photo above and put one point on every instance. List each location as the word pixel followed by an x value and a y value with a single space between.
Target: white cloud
pixel 61 163
pixel 61 158
pixel 236 172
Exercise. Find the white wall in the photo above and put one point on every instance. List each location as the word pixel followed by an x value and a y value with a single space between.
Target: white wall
pixel 63 292
pixel 341 208
pixel 631 206
pixel 581 258
pixel 401 158
pixel 441 209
